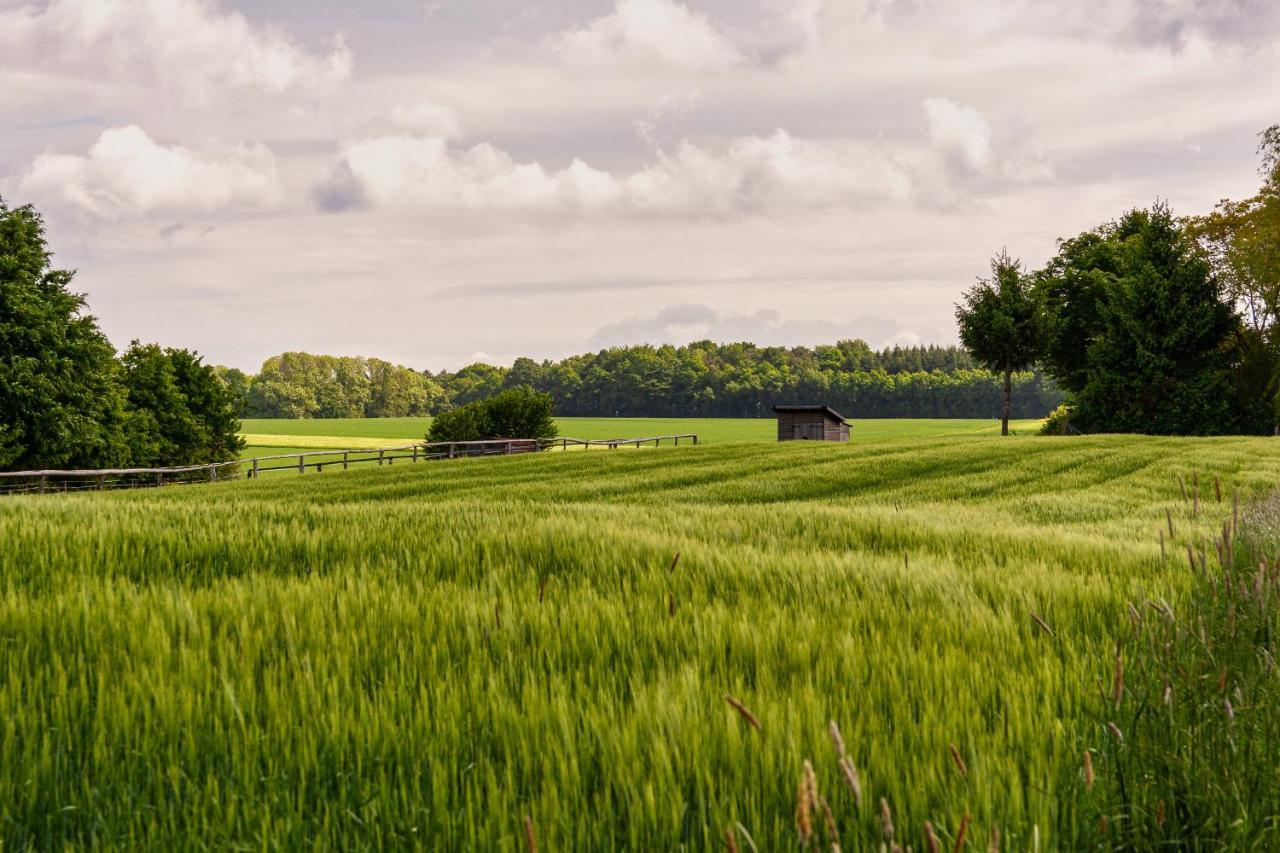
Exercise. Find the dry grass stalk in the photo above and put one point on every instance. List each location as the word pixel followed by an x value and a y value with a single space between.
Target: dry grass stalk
pixel 1115 732
pixel 497 614
pixel 1160 813
pixel 930 837
pixel 1168 516
pixel 1162 553
pixel 1102 825
pixel 746 836
pixel 851 779
pixel 730 839
pixel 962 832
pixel 886 820
pixel 743 711
pixel 1191 557
pixel 1117 680
pixel 671 604
pixel 994 845
pixel 1182 481
pixel 542 589
pixel 1217 487
pixel 1088 770
pixel 836 739
pixel 674 562
pixel 1043 625
pixel 806 794
pixel 530 838
pixel 957 760
pixel 1195 493
pixel 829 823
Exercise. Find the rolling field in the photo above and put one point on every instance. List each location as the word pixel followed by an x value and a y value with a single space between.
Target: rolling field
pixel 421 656
pixel 265 435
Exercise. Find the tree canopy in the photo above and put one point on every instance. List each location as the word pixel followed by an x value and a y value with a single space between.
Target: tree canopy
pixel 67 402
pixel 61 404
pixel 519 412
pixel 1138 329
pixel 1000 326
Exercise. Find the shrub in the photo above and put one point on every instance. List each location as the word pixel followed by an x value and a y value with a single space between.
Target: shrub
pixel 515 413
pixel 1059 421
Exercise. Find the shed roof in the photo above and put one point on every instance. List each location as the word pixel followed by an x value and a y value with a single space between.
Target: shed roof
pixel 825 410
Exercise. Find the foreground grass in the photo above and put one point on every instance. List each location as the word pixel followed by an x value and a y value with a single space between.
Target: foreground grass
pixel 709 430
pixel 423 655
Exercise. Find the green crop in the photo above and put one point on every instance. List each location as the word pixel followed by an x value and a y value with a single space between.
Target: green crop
pixel 421 656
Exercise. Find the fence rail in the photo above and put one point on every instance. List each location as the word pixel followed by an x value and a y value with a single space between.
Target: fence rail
pixel 102 479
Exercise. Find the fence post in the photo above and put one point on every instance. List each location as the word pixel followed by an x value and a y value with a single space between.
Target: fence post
pixel 379 457
pixel 302 463
pixel 451 450
pixel 507 451
pixel 345 462
pixel 255 469
pixel 44 482
pixel 695 439
pixel 102 479
pixel 415 454
pixel 213 473
pixel 159 478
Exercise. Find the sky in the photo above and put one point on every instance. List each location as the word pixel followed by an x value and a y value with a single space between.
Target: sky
pixel 436 182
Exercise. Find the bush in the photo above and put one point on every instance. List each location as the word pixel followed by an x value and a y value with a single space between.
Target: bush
pixel 1059 422
pixel 516 413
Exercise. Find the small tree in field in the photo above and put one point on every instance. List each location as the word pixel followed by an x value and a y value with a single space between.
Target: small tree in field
pixel 515 413
pixel 999 324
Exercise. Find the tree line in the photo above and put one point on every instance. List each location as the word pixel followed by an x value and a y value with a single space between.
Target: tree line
pixel 1149 323
pixel 702 379
pixel 68 401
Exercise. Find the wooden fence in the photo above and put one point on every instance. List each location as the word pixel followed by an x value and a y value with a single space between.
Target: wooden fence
pixel 49 481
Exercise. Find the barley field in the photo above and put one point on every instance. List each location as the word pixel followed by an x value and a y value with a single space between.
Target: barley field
pixel 425 656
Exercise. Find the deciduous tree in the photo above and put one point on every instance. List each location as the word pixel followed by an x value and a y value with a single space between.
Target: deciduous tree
pixel 999 325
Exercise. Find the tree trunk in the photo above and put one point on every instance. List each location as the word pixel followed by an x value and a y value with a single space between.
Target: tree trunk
pixel 1008 397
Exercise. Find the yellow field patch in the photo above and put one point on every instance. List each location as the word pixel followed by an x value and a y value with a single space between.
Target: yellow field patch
pixel 323 442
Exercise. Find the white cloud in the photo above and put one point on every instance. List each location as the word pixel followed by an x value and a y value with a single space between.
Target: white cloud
pixel 961 132
pixel 187 45
pixel 126 173
pixel 748 175
pixel 648 34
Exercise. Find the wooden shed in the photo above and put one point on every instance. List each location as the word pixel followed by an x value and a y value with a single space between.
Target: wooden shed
pixel 811 423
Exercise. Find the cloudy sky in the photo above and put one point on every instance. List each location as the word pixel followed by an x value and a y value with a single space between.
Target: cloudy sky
pixel 440 181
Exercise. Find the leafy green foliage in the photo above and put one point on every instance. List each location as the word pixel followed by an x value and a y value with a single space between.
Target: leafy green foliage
pixel 702 379
pixel 1000 325
pixel 301 385
pixel 1138 329
pixel 60 403
pixel 742 380
pixel 181 412
pixel 419 656
pixel 1241 239
pixel 1059 421
pixel 514 413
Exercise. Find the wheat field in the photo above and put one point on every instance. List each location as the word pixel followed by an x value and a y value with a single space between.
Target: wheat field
pixel 425 656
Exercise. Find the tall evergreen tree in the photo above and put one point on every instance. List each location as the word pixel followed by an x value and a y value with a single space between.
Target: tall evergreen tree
pixel 60 403
pixel 1138 329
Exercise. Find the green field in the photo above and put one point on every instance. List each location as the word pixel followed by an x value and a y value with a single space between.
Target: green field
pixel 423 655
pixel 708 430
